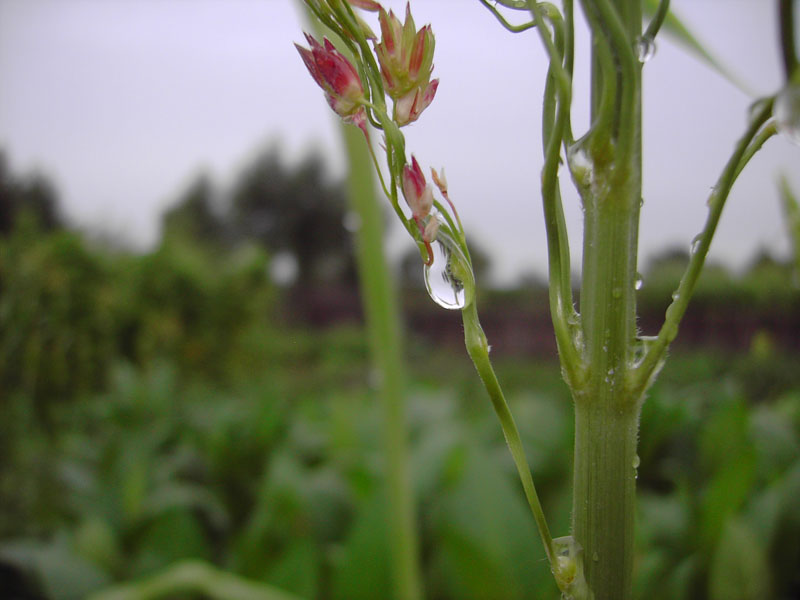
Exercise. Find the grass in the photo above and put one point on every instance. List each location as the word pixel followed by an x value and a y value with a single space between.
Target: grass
pixel 277 477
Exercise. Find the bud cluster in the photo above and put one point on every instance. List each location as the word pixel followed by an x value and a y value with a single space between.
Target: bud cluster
pixel 399 66
pixel 404 61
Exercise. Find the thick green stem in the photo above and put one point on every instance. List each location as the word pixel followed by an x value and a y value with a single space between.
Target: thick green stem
pixel 380 306
pixel 606 410
pixel 605 493
pixel 606 414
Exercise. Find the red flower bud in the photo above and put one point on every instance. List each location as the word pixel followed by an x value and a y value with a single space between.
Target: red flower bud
pixel 408 108
pixel 417 192
pixel 335 75
pixel 405 54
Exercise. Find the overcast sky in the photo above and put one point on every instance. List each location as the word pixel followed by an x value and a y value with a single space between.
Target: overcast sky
pixel 122 102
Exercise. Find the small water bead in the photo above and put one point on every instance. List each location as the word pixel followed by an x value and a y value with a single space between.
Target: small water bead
pixel 787 112
pixel 449 279
pixel 638 283
pixel 640 348
pixel 636 462
pixel 645 49
pixel 695 246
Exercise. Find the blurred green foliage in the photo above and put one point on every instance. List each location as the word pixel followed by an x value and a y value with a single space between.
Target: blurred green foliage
pixel 164 435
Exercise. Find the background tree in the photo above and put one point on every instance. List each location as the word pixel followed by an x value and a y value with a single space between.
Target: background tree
pixel 296 210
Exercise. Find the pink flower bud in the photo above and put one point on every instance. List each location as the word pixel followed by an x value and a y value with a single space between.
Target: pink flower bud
pixel 440 180
pixel 405 54
pixel 335 75
pixel 417 192
pixel 431 229
pixel 408 108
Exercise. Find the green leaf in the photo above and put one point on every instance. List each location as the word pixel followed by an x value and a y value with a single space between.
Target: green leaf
pixel 362 569
pixel 193 577
pixel 483 525
pixel 739 569
pixel 297 571
pixel 676 29
pixel 174 535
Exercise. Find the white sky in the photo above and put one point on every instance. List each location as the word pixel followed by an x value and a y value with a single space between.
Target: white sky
pixel 122 102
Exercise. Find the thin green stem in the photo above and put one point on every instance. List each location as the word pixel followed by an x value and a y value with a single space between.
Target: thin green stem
pixel 383 327
pixel 628 74
pixel 563 79
pixel 382 319
pixel 748 144
pixel 509 26
pixel 788 49
pixel 604 80
pixel 658 20
pixel 478 349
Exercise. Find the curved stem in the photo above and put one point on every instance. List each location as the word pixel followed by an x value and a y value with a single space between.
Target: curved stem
pixel 562 78
pixel 478 350
pixel 628 76
pixel 604 85
pixel 509 26
pixel 748 144
pixel 658 20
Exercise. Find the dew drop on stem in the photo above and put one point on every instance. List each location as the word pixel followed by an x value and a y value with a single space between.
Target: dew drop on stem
pixel 637 284
pixel 695 245
pixel 645 48
pixel 449 279
pixel 787 112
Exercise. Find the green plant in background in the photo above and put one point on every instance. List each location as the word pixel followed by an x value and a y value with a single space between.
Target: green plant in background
pixel 607 365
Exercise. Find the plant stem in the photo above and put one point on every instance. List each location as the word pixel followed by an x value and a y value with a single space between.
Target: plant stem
pixel 380 306
pixel 605 494
pixel 478 350
pixel 606 412
pixel 383 326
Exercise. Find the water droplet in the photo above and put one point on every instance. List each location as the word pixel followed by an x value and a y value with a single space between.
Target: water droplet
pixel 643 344
pixel 645 49
pixel 595 557
pixel 636 461
pixel 351 221
pixel 449 279
pixel 638 283
pixel 676 296
pixel 581 165
pixel 787 112
pixel 695 246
